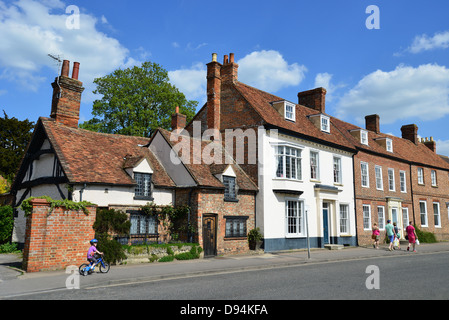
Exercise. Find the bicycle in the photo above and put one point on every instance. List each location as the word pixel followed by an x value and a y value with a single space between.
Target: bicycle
pixel 87 268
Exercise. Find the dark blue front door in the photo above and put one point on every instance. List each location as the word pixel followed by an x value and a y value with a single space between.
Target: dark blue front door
pixel 326 222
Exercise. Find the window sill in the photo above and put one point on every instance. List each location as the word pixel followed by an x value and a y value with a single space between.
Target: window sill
pixel 230 200
pixel 235 238
pixel 143 198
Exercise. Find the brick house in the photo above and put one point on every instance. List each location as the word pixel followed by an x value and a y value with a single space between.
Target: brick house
pixel 221 195
pixel 125 173
pixel 346 178
pixel 300 162
pixel 397 178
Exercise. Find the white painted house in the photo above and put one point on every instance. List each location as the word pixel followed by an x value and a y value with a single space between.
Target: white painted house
pixel 109 170
pixel 304 164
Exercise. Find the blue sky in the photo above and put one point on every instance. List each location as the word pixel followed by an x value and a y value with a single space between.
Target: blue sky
pixel 399 71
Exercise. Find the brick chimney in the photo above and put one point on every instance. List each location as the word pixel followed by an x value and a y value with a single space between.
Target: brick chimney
pixel 372 123
pixel 178 120
pixel 229 71
pixel 431 144
pixel 314 99
pixel 214 79
pixel 66 101
pixel 410 132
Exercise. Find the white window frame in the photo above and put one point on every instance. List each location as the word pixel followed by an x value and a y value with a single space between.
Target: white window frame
pixel 420 176
pixel 403 181
pixel 366 174
pixel 389 145
pixel 379 179
pixel 290 114
pixel 437 214
pixel 368 225
pixel 381 220
pixel 288 158
pixel 423 214
pixel 405 218
pixel 391 182
pixel 317 165
pixel 433 178
pixel 337 170
pixel 325 124
pixel 344 220
pixel 395 213
pixel 364 137
pixel 299 221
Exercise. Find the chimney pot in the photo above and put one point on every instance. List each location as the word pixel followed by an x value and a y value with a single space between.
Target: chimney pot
pixel 76 70
pixel 214 57
pixel 65 68
pixel 225 59
pixel 231 58
pixel 178 120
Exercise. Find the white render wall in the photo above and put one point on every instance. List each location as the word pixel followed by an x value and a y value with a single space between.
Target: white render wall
pixel 271 207
pixel 101 195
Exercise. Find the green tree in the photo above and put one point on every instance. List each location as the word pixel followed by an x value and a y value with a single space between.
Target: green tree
pixel 4 185
pixel 14 138
pixel 6 223
pixel 136 101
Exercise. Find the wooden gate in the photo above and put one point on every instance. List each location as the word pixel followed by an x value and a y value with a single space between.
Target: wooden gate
pixel 210 235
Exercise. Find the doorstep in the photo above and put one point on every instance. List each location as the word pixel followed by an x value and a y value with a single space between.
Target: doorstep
pixel 333 246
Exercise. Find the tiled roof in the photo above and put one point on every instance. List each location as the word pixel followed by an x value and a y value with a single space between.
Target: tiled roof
pixel 92 157
pixel 204 174
pixel 340 131
pixel 261 102
pixel 403 149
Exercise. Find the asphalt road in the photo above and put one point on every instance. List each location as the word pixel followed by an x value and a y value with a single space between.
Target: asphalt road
pixel 405 277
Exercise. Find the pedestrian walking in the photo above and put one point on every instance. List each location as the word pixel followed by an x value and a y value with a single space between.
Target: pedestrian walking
pixel 376 236
pixel 397 237
pixel 412 237
pixel 390 234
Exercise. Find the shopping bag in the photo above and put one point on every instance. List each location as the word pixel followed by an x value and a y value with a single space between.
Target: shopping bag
pixel 417 242
pixel 396 242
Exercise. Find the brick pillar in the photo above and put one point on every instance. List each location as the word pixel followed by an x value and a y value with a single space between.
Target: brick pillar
pixel 57 239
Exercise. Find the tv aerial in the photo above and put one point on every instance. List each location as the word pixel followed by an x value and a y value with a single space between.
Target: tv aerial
pixel 58 61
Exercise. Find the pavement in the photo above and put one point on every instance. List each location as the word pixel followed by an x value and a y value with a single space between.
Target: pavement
pixel 15 283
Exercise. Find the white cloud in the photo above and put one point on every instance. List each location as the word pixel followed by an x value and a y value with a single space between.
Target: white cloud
pixel 403 93
pixel 191 81
pixel 425 43
pixel 31 30
pixel 325 80
pixel 443 147
pixel 268 70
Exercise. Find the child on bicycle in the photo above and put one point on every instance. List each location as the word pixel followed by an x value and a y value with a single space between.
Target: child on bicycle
pixel 92 251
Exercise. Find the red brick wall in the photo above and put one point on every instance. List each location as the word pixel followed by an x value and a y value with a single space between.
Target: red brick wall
pixel 373 197
pixel 211 201
pixel 432 194
pixel 56 240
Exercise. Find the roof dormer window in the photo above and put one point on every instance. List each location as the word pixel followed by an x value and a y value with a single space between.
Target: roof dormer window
pixel 325 124
pixel 289 111
pixel 321 121
pixel 389 145
pixel 286 109
pixel 364 137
